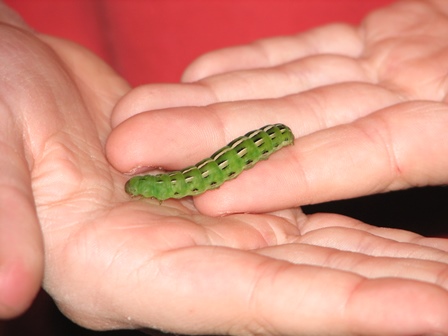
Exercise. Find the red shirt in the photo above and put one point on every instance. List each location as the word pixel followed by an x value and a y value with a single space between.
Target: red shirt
pixel 154 40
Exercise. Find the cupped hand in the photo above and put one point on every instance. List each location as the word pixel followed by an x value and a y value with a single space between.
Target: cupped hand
pixel 367 105
pixel 112 262
pixel 368 108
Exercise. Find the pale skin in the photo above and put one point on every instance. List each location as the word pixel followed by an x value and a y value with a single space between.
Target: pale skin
pixel 368 105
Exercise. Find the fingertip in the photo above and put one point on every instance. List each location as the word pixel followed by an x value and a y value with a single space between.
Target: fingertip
pixel 417 308
pixel 129 146
pixel 160 96
pixel 21 253
pixel 19 284
pixel 222 61
pixel 198 69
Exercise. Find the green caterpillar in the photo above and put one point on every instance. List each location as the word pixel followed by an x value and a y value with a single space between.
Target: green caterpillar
pixel 225 164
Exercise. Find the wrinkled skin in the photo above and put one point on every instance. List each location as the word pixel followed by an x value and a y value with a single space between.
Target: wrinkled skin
pixel 369 107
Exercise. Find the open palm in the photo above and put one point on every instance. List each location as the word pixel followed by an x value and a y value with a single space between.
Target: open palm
pixel 113 262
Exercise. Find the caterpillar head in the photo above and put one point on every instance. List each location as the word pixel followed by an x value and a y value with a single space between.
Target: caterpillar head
pixel 131 187
pixel 149 186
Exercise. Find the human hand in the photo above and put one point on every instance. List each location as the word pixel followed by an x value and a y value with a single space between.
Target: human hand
pixel 354 98
pixel 367 103
pixel 55 111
